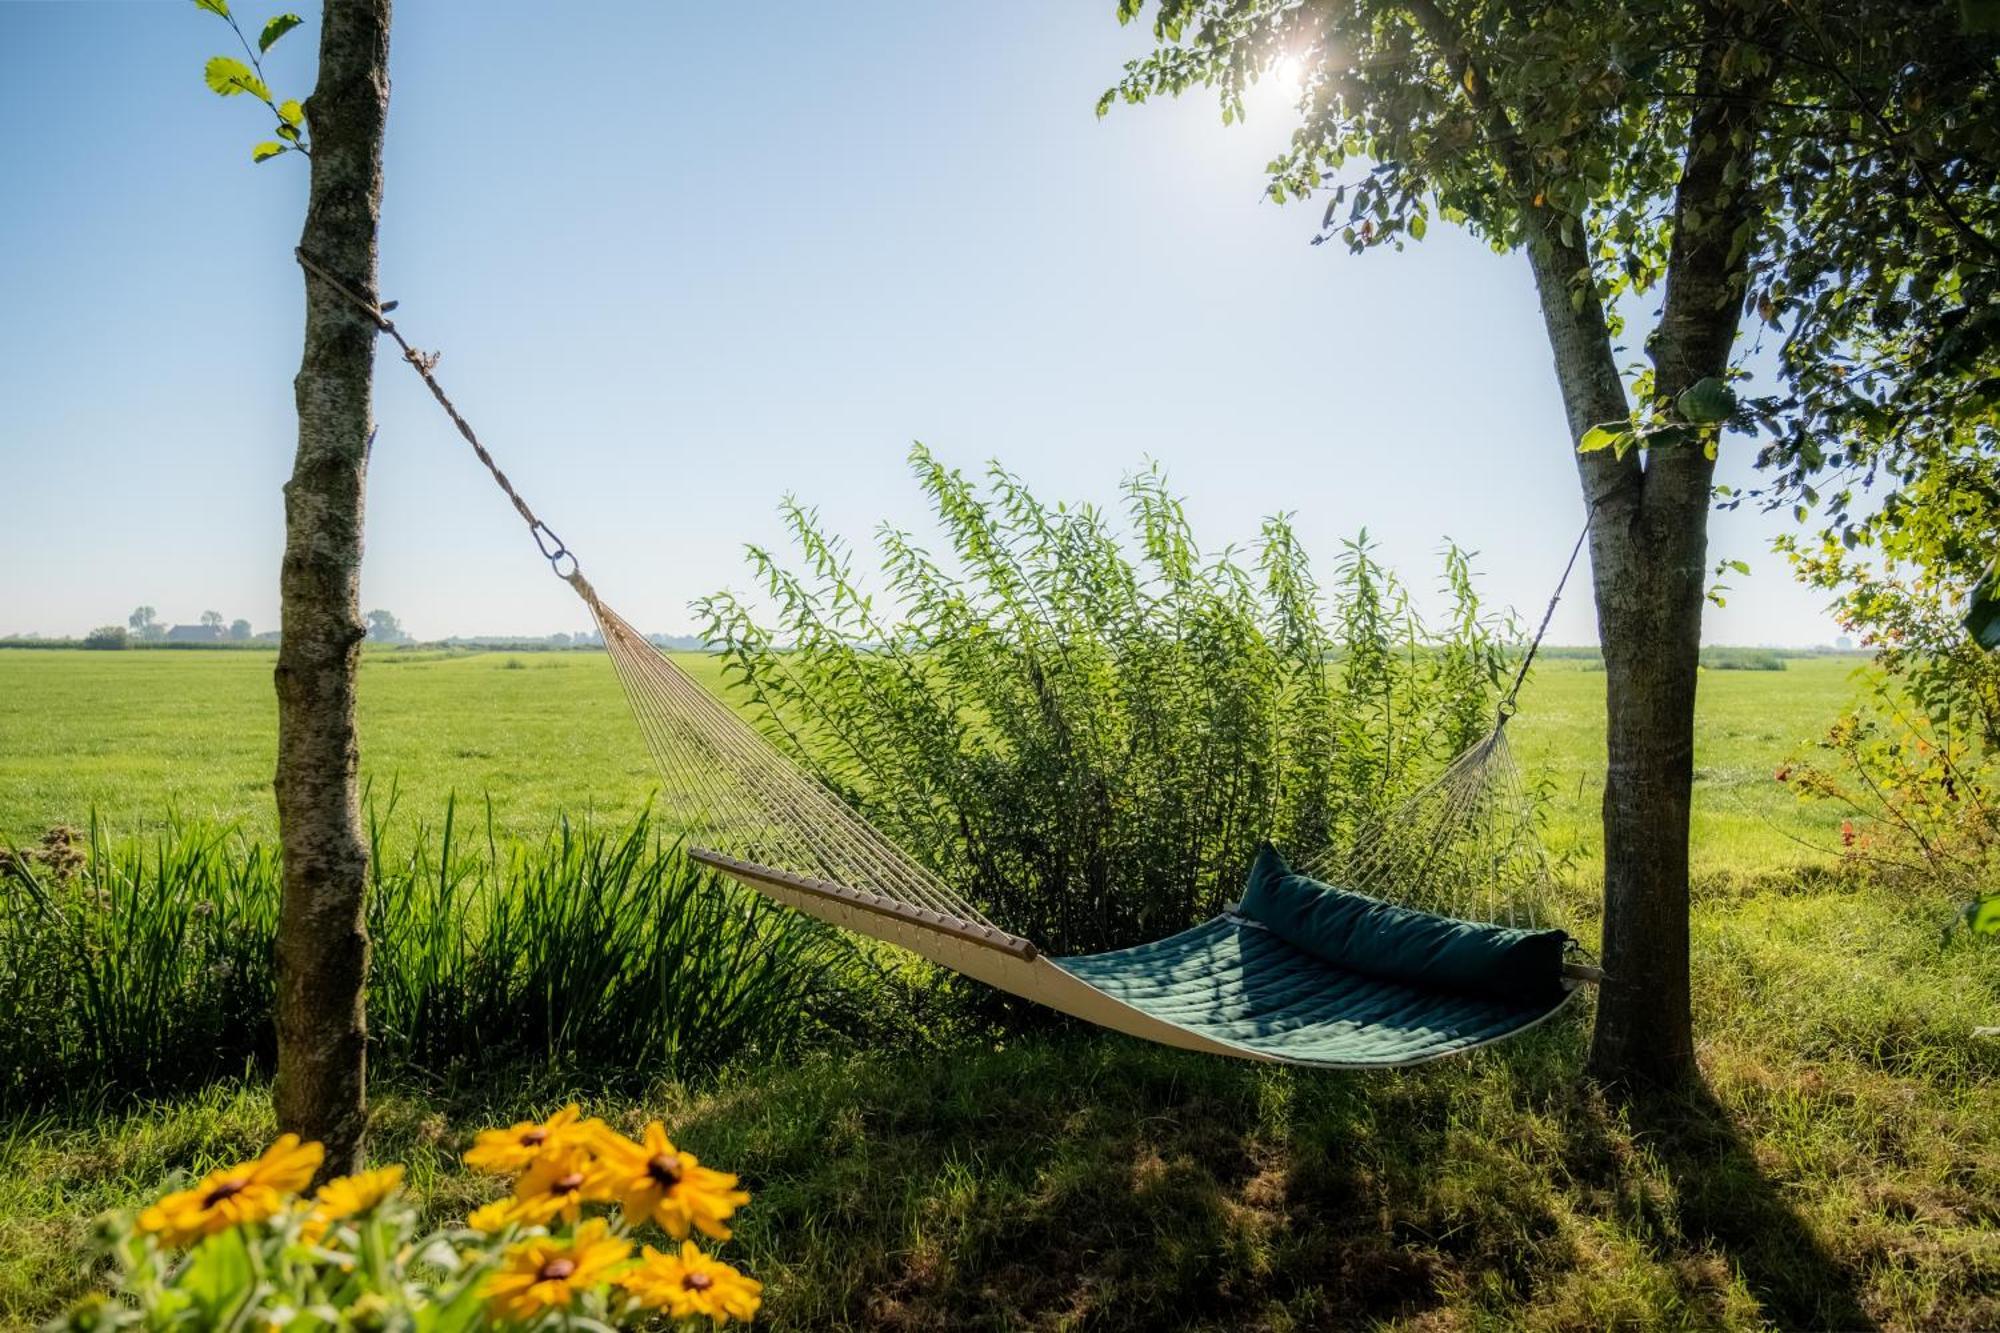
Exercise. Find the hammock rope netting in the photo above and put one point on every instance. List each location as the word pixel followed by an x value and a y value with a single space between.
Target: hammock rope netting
pixel 1433 945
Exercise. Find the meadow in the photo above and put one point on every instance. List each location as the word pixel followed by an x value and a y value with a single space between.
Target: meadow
pixel 539 734
pixel 1840 1169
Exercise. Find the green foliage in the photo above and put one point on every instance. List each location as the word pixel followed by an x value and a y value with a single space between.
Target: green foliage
pixel 376 1269
pixel 1706 402
pixel 227 76
pixel 274 28
pixel 1920 789
pixel 147 967
pixel 1089 735
pixel 1886 319
pixel 1716 658
pixel 1571 127
pixel 1910 597
pixel 107 636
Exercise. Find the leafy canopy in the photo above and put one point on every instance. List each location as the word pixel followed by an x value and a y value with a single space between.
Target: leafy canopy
pixel 1860 167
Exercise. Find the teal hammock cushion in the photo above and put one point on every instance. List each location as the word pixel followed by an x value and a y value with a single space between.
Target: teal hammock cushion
pixel 1314 975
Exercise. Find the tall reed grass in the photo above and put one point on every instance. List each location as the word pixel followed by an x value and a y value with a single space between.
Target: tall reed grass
pixel 147 965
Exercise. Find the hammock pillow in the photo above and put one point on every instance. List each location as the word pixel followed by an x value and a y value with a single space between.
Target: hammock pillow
pixel 1377 939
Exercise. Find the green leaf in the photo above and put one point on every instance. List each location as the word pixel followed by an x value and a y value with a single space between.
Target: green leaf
pixel 218 1275
pixel 227 77
pixel 1984 916
pixel 1982 609
pixel 1707 402
pixel 265 151
pixel 291 112
pixel 276 28
pixel 1740 566
pixel 1417 226
pixel 220 8
pixel 1601 437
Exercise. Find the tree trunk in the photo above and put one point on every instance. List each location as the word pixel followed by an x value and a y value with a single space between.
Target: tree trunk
pixel 1649 550
pixel 1648 540
pixel 322 936
pixel 1648 536
pixel 1647 568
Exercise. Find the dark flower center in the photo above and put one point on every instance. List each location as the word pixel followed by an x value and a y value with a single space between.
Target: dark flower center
pixel 228 1189
pixel 697 1282
pixel 534 1138
pixel 665 1168
pixel 555 1270
pixel 568 1184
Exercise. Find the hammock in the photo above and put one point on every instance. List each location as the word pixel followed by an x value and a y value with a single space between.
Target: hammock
pixel 1299 972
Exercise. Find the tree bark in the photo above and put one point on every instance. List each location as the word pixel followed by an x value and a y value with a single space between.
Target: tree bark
pixel 1646 559
pixel 1648 537
pixel 1649 548
pixel 322 941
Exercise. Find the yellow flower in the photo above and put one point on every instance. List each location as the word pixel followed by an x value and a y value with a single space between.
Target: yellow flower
pixel 691 1283
pixel 545 1274
pixel 347 1196
pixel 246 1192
pixel 492 1218
pixel 502 1152
pixel 557 1184
pixel 656 1180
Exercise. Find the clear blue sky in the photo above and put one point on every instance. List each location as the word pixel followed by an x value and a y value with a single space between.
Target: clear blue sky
pixel 684 258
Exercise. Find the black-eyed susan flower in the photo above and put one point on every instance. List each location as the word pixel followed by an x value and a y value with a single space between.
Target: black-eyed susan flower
pixel 246 1192
pixel 348 1196
pixel 691 1284
pixel 503 1152
pixel 557 1184
pixel 493 1218
pixel 653 1179
pixel 544 1273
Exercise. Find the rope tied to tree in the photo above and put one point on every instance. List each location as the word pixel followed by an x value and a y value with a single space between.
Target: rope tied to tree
pixel 1460 845
pixel 1509 701
pixel 425 364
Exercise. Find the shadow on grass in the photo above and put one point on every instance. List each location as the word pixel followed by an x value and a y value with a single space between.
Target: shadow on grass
pixel 1725 1200
pixel 1074 1181
pixel 1099 1183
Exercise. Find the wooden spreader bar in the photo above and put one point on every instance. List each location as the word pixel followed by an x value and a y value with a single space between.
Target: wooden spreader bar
pixel 970 931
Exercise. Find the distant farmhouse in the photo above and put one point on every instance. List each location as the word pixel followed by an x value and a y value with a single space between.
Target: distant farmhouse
pixel 195 634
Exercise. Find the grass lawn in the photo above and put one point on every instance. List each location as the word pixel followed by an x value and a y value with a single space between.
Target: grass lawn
pixel 132 734
pixel 1841 1168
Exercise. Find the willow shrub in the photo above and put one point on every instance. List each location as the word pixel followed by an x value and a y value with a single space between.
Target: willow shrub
pixel 146 965
pixel 1087 726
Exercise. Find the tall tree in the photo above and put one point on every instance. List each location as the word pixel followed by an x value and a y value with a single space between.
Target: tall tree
pixel 322 938
pixel 1677 147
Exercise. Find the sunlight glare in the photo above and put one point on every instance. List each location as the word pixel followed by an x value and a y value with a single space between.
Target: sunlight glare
pixel 1288 76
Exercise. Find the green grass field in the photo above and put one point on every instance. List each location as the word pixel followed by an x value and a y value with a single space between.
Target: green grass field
pixel 131 735
pixel 1841 1168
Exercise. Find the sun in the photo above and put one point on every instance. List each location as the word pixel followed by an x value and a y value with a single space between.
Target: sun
pixel 1288 77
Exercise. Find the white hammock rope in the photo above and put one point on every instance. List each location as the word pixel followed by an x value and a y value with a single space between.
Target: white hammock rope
pixel 1462 845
